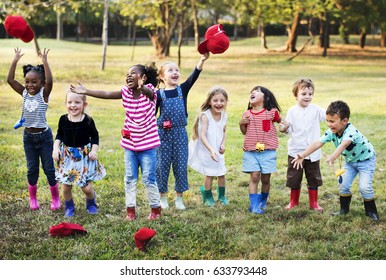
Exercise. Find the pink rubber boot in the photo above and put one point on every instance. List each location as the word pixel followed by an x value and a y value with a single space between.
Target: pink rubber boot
pixel 33 201
pixel 55 203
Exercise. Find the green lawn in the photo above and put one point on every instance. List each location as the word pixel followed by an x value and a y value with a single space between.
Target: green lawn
pixel 199 233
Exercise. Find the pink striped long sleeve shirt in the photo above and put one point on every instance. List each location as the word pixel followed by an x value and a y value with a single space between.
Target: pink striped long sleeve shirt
pixel 140 121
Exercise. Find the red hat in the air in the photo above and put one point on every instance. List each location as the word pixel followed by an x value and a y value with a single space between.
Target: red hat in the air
pixel 16 26
pixel 216 41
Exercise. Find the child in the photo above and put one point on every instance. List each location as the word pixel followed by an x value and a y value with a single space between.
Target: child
pixel 207 147
pixel 260 144
pixel 172 103
pixel 359 155
pixel 37 137
pixel 75 150
pixel 139 135
pixel 303 125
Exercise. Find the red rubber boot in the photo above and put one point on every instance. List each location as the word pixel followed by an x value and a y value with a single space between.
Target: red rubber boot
pixel 155 213
pixel 313 196
pixel 294 199
pixel 130 214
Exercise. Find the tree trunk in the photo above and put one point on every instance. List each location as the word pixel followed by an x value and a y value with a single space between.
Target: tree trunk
pixel 235 28
pixel 59 22
pixel 383 39
pixel 326 38
pixel 195 23
pixel 293 33
pixel 161 37
pixel 180 34
pixel 362 39
pixel 263 38
pixel 105 37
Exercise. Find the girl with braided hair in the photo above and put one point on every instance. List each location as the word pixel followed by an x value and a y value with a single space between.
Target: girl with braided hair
pixel 139 134
pixel 37 137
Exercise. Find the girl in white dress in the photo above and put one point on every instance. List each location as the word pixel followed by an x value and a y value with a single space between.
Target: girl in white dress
pixel 207 146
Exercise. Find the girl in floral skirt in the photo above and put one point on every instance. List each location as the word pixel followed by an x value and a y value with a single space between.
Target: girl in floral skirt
pixel 75 152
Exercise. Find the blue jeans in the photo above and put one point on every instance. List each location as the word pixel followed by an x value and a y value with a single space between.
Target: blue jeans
pixel 146 160
pixel 39 146
pixel 366 172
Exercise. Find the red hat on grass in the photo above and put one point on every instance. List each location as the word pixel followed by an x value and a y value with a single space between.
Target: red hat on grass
pixel 66 229
pixel 216 41
pixel 16 26
pixel 142 237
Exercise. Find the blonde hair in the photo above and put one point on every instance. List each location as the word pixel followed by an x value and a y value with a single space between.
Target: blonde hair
pixel 205 106
pixel 302 83
pixel 161 70
pixel 82 96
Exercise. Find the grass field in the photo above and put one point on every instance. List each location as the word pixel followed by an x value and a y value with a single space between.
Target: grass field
pixel 199 233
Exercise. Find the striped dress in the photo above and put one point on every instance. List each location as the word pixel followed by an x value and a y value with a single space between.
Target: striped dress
pixel 140 121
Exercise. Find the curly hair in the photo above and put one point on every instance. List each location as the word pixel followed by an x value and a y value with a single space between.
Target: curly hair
pixel 38 69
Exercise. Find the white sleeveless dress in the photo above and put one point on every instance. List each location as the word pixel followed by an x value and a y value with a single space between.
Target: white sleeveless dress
pixel 199 155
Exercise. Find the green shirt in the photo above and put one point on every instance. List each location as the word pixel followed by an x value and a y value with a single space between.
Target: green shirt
pixel 360 148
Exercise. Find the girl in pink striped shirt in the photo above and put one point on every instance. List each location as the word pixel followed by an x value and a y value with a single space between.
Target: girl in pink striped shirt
pixel 260 144
pixel 139 134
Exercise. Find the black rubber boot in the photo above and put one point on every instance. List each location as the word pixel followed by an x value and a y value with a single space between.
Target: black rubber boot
pixel 344 205
pixel 371 210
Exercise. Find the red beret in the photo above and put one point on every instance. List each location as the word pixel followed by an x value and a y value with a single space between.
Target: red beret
pixel 216 41
pixel 142 237
pixel 66 229
pixel 16 26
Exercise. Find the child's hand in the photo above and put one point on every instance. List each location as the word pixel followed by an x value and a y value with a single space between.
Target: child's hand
pixel 330 160
pixel 141 82
pixel 92 155
pixel 214 155
pixel 44 55
pixel 205 56
pixel 298 161
pixel 55 154
pixel 245 120
pixel 222 149
pixel 80 89
pixel 283 126
pixel 18 54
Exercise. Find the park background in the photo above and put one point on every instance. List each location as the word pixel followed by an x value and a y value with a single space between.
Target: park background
pixel 349 71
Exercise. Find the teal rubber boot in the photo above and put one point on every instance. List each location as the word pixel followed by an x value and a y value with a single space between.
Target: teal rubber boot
pixel 209 201
pixel 202 191
pixel 221 196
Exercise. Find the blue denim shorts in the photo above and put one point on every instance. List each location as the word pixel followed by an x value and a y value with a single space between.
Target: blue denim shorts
pixel 264 162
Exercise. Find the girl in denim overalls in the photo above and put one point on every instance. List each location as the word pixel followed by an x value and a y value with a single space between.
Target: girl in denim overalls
pixel 171 101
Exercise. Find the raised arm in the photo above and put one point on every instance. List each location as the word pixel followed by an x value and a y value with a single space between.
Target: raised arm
pixel 11 74
pixel 200 64
pixel 80 89
pixel 47 70
pixel 144 89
